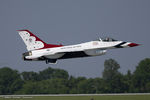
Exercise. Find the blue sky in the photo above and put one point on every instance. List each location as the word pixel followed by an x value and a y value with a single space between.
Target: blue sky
pixel 72 22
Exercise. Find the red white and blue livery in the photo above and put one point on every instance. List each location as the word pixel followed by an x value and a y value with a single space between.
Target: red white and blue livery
pixel 38 50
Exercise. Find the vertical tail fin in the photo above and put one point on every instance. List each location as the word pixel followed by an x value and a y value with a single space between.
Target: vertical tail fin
pixel 33 42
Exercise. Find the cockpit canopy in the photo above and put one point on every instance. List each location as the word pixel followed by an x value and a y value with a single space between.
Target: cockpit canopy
pixel 107 39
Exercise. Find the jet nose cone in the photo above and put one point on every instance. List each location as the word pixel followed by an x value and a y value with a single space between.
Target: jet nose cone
pixel 133 44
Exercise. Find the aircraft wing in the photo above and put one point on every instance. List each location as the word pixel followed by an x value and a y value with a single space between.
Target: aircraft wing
pixel 69 51
pixel 65 54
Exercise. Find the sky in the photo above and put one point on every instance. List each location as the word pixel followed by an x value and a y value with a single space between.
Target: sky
pixel 71 22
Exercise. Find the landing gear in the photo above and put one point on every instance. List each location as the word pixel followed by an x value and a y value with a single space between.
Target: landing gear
pixel 53 61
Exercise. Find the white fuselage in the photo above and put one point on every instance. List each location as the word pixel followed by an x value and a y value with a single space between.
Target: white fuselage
pixel 92 48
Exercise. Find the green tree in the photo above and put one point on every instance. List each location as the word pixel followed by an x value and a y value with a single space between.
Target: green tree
pixel 30 76
pixel 10 81
pixel 112 77
pixel 50 86
pixel 147 86
pixel 89 86
pixel 50 73
pixel 110 69
pixel 141 76
pixel 60 73
pixel 127 79
pixel 73 84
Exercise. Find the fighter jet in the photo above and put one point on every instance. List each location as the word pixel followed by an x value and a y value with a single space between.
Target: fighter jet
pixel 38 50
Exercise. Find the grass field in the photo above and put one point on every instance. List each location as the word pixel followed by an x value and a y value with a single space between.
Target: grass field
pixel 109 97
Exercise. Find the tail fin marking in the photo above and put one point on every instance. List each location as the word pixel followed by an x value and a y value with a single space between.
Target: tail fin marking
pixel 33 42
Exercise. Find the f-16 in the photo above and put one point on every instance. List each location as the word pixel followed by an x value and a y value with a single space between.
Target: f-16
pixel 38 50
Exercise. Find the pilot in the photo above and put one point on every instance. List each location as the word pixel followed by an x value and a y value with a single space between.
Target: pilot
pixel 107 39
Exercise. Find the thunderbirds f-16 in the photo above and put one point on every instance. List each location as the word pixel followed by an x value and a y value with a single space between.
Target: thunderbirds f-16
pixel 38 50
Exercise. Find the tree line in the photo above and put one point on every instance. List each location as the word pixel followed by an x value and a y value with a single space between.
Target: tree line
pixel 58 81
